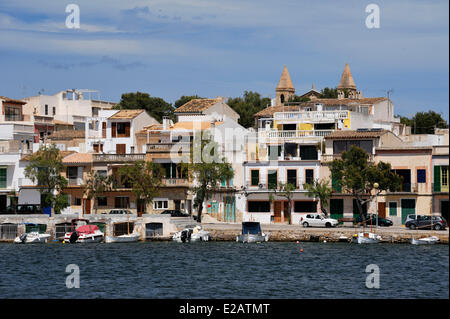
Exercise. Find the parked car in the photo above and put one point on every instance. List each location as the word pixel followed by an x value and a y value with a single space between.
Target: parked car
pixel 23 209
pixel 372 219
pixel 317 220
pixel 175 213
pixel 120 212
pixel 425 222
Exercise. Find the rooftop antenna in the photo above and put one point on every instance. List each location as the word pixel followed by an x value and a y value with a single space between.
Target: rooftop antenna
pixel 388 93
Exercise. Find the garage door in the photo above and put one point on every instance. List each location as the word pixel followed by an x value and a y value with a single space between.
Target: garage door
pixel 408 207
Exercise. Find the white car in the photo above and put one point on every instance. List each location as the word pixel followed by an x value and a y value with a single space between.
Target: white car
pixel 317 220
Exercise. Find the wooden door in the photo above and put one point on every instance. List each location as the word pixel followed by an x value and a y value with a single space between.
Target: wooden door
pixel 87 206
pixel 277 212
pixel 382 209
pixel 287 214
pixel 120 148
pixel 103 129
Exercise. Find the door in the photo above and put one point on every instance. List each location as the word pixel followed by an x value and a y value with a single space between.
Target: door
pixel 336 208
pixel 120 148
pixel 287 213
pixel 2 203
pixel 382 210
pixel 444 210
pixel 277 212
pixel 86 206
pixel 408 207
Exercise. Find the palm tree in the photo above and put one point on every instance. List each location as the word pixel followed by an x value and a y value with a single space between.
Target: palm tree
pixel 320 190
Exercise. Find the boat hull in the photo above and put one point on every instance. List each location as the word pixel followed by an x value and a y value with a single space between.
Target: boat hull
pixel 122 239
pixel 86 238
pixel 425 241
pixel 366 238
pixel 32 239
pixel 252 238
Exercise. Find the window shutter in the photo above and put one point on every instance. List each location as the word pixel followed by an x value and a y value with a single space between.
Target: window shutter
pixel 437 179
pixel 335 185
pixel 127 129
pixel 113 129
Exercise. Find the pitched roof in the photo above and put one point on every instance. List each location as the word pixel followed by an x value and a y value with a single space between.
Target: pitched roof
pixel 285 81
pixel 67 134
pixel 346 81
pixel 197 105
pixel 126 114
pixel 77 158
pixel 7 99
pixel 26 157
pixel 352 134
pixel 327 102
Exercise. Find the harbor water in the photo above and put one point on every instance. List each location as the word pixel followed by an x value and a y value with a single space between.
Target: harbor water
pixel 224 270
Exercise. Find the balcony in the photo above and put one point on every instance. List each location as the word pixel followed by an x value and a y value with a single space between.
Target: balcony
pixel 75 181
pixel 173 147
pixel 330 157
pixel 263 187
pixel 314 116
pixel 296 134
pixel 117 158
pixel 175 182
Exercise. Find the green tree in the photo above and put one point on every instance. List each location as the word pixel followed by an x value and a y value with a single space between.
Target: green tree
pixel 424 122
pixel 357 175
pixel 208 169
pixel 97 184
pixel 319 189
pixel 286 191
pixel 144 179
pixel 184 99
pixel 328 93
pixel 155 106
pixel 44 168
pixel 247 106
pixel 296 98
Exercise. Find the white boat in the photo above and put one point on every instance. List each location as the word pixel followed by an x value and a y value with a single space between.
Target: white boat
pixel 251 233
pixel 127 238
pixel 84 234
pixel 31 238
pixel 366 238
pixel 192 234
pixel 425 241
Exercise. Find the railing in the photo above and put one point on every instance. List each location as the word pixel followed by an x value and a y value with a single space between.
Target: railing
pixel 312 115
pixel 439 188
pixel 407 188
pixel 275 134
pixel 23 181
pixel 77 181
pixel 175 182
pixel 264 187
pixel 122 158
pixel 331 157
pixel 43 119
pixel 168 147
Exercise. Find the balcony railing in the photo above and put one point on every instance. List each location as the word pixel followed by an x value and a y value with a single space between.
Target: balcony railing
pixel 331 157
pixel 317 116
pixel 262 186
pixel 168 147
pixel 175 182
pixel 75 181
pixel 276 134
pixel 120 158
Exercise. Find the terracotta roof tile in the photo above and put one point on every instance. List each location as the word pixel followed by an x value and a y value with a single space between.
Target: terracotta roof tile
pixel 193 125
pixel 197 105
pixel 78 158
pixel 126 114
pixel 7 99
pixel 67 134
pixel 351 134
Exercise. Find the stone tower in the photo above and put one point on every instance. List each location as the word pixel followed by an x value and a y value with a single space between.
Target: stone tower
pixel 284 89
pixel 347 84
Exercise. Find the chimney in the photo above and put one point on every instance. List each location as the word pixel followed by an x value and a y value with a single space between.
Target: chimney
pixel 166 122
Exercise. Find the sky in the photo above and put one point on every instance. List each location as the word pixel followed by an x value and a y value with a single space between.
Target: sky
pixel 170 48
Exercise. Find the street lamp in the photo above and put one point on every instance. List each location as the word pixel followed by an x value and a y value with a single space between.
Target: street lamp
pixel 375 185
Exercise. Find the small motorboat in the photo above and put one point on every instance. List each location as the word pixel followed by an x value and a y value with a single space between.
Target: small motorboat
pixel 127 238
pixel 84 234
pixel 31 238
pixel 251 233
pixel 192 234
pixel 366 238
pixel 425 241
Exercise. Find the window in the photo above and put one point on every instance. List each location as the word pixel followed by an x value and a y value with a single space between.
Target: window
pixel 160 204
pixel 305 207
pixel 444 175
pixel 102 172
pixel 274 152
pixel 3 178
pixel 292 177
pixel 309 176
pixel 341 146
pixel 121 202
pixel 102 201
pixel 54 110
pixel 123 129
pixel 392 208
pixel 46 109
pixel 272 179
pixel 72 172
pixel 77 201
pixel 421 176
pixel 254 177
pixel 13 114
pixel 308 153
pixel 259 207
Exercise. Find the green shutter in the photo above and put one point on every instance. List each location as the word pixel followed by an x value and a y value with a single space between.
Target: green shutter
pixel 336 208
pixel 393 209
pixel 335 185
pixel 3 178
pixel 255 177
pixel 437 179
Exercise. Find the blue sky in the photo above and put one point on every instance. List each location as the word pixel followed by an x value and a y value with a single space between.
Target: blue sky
pixel 170 48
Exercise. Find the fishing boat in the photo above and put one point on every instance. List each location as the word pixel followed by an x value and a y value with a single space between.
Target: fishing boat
pixel 84 234
pixel 252 233
pixel 32 236
pixel 366 238
pixel 425 241
pixel 192 234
